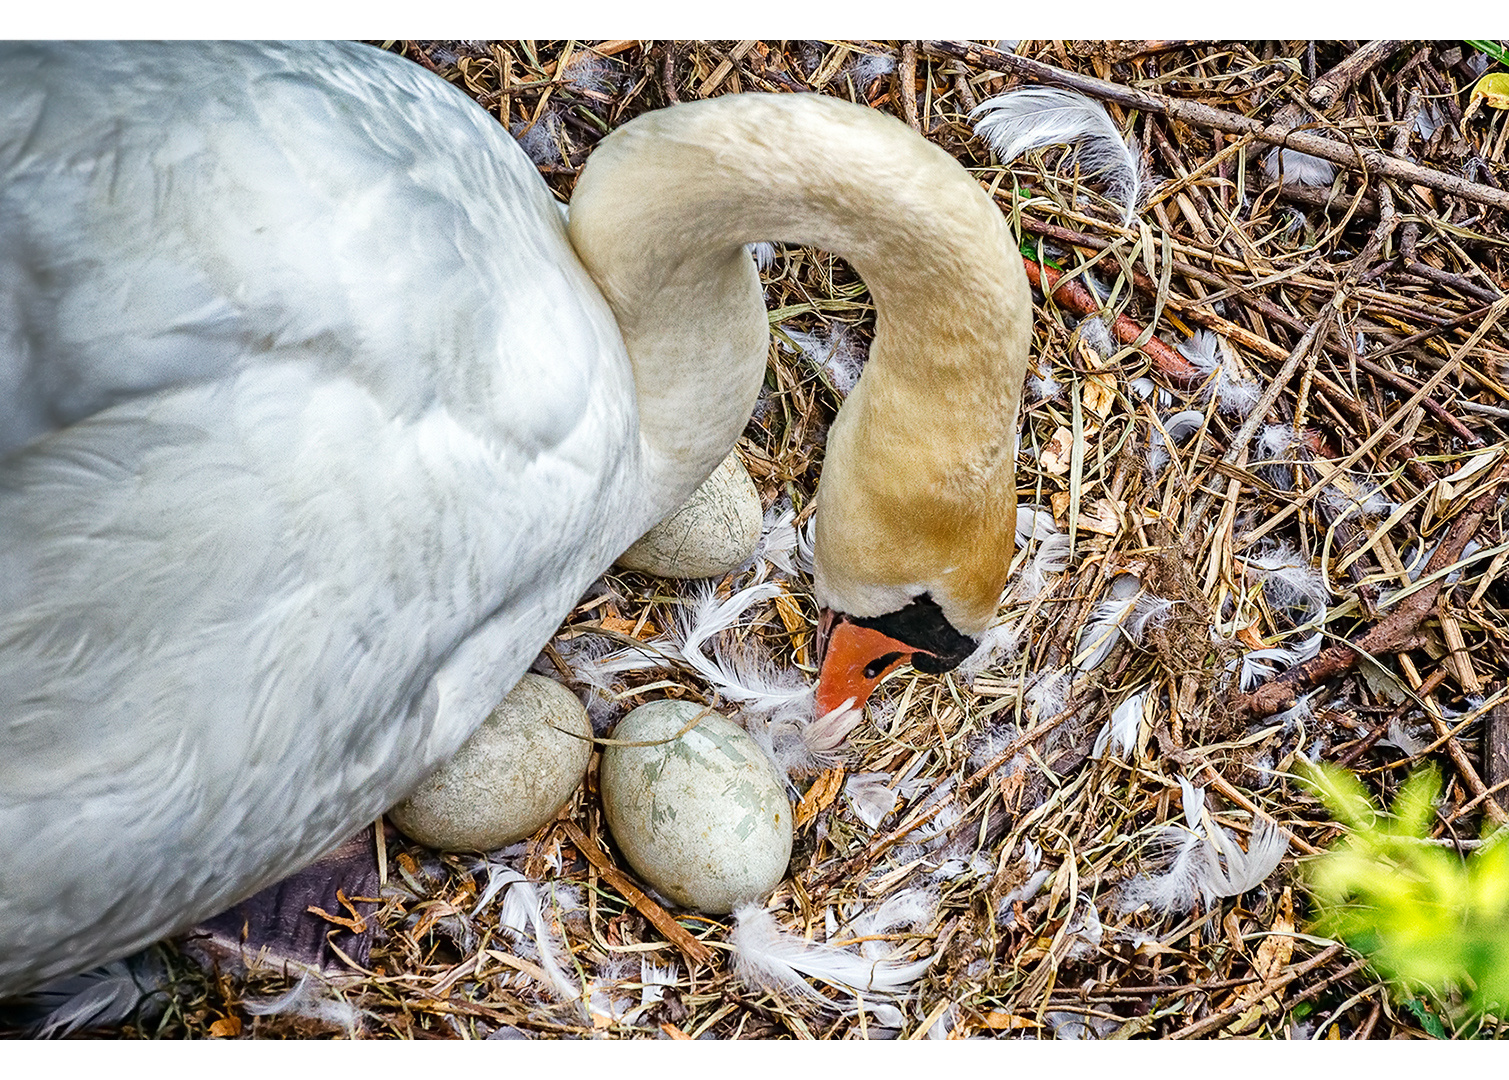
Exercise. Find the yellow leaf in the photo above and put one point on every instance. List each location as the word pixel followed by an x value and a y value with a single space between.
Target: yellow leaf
pixel 1493 89
pixel 227 1027
pixel 622 626
pixel 790 612
pixel 820 795
pixel 796 624
pixel 1248 636
pixel 1005 1021
pixel 1099 392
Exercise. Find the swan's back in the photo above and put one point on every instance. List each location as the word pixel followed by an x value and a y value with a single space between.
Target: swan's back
pixel 170 212
pixel 311 430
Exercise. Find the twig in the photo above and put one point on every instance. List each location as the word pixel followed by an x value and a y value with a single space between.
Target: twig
pixel 1398 632
pixel 1373 161
pixel 1455 281
pixel 1435 679
pixel 967 99
pixel 1340 78
pixel 1218 1020
pixel 1198 313
pixel 1078 299
pixel 719 73
pixel 668 73
pixel 1323 198
pixel 1464 766
pixel 906 81
pixel 659 917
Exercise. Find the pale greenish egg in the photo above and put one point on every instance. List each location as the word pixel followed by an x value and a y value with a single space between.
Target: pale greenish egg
pixel 701 816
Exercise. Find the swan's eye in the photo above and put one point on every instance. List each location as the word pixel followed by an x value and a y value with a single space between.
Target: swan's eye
pixel 876 667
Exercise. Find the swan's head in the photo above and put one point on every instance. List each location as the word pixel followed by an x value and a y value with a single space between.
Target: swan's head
pixel 916 516
pixel 856 653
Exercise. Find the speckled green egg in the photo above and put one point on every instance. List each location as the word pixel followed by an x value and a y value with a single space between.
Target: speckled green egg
pixel 703 818
pixel 514 774
pixel 716 530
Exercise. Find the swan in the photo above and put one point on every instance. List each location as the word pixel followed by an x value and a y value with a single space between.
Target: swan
pixel 317 415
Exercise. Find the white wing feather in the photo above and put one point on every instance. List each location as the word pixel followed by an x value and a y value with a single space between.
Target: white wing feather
pixel 1039 116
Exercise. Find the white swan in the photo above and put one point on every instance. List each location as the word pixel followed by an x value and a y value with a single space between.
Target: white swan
pixel 315 421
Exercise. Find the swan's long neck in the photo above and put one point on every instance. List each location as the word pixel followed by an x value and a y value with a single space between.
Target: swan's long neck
pixel 919 462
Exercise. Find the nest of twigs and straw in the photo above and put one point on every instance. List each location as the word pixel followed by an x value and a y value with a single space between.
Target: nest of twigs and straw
pixel 1264 450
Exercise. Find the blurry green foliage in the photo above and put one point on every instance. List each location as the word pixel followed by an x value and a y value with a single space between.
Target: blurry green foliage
pixel 1420 912
pixel 1493 49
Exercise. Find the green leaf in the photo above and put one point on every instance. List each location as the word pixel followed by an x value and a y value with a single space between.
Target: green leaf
pixel 1342 792
pixel 1415 805
pixel 1428 1020
pixel 1492 49
pixel 1419 912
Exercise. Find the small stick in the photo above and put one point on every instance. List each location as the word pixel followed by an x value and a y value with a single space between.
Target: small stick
pixel 1078 299
pixel 966 96
pixel 1224 786
pixel 1191 112
pixel 1407 123
pixel 1496 745
pixel 1435 679
pixel 612 48
pixel 1396 633
pixel 1464 766
pixel 668 73
pixel 1220 1019
pixel 1454 281
pixel 715 80
pixel 658 916
pixel 1321 198
pixel 1196 313
pixel 906 81
pixel 1340 78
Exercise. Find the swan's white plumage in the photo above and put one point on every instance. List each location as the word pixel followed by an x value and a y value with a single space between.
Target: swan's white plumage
pixel 292 491
pixel 314 424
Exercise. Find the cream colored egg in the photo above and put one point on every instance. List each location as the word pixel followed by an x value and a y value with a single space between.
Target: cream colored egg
pixel 703 818
pixel 513 775
pixel 713 532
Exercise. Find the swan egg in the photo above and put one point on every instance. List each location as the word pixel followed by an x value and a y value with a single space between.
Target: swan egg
pixel 701 816
pixel 514 774
pixel 714 531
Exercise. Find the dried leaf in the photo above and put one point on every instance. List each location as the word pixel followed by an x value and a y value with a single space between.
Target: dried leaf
pixel 820 795
pixel 996 1020
pixel 1055 459
pixel 1273 956
pixel 1103 517
pixel 622 626
pixel 1099 392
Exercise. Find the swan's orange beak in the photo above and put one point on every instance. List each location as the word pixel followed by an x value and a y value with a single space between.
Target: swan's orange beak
pixel 854 660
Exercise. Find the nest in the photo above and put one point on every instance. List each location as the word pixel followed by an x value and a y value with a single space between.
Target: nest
pixel 1263 442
